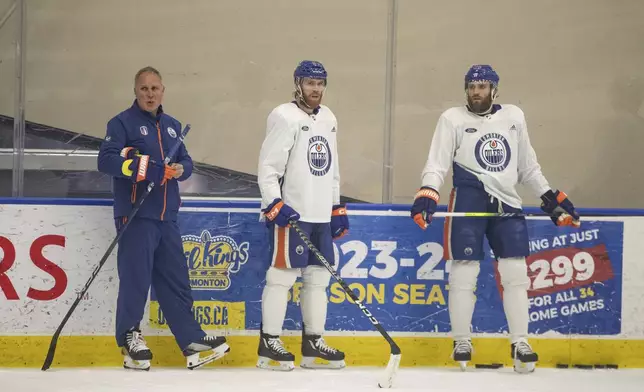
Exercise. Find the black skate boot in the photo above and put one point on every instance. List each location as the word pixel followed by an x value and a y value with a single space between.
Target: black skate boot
pixel 136 354
pixel 524 358
pixel 462 352
pixel 314 347
pixel 211 347
pixel 271 350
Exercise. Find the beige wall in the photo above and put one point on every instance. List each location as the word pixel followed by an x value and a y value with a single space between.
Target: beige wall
pixel 7 64
pixel 575 67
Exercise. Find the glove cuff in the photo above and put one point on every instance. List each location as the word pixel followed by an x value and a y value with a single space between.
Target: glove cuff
pixel 339 210
pixel 429 193
pixel 561 196
pixel 142 169
pixel 553 197
pixel 548 197
pixel 126 169
pixel 125 152
pixel 273 209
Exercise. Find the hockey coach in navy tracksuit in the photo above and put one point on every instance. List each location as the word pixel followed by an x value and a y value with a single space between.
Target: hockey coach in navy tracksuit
pixel 150 252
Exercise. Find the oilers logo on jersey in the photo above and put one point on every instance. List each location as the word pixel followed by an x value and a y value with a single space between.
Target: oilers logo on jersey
pixel 319 156
pixel 493 152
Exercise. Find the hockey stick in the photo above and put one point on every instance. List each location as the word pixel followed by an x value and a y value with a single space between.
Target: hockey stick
pixel 494 215
pixel 483 214
pixel 54 340
pixel 394 359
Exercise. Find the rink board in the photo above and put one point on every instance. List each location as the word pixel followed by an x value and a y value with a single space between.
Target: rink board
pixel 586 289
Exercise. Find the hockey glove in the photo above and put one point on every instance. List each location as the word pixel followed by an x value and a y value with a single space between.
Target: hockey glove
pixel 279 213
pixel 130 153
pixel 424 206
pixel 560 208
pixel 141 168
pixel 339 221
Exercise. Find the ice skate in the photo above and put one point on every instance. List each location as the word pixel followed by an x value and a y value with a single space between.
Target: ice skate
pixel 462 352
pixel 316 354
pixel 208 349
pixel 524 358
pixel 136 354
pixel 272 354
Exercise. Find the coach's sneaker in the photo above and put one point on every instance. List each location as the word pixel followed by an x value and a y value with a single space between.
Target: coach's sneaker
pixel 316 354
pixel 272 355
pixel 462 352
pixel 524 358
pixel 136 354
pixel 206 350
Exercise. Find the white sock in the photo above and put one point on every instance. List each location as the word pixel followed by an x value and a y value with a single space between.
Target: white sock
pixel 313 298
pixel 461 300
pixel 515 281
pixel 275 298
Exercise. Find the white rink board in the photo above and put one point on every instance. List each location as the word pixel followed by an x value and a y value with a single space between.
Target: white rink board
pixel 88 231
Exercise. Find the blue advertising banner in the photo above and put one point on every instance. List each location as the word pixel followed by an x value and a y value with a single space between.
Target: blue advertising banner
pixel 399 272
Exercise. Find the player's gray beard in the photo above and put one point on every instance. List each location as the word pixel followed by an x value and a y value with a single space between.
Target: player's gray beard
pixel 483 107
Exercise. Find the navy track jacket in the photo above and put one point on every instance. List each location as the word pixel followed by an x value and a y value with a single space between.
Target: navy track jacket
pixel 153 136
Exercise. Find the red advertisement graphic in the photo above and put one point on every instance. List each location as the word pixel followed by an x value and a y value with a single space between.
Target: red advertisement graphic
pixel 560 269
pixel 8 258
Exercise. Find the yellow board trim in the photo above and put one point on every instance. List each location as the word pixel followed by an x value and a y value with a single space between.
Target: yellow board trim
pixel 88 351
pixel 211 315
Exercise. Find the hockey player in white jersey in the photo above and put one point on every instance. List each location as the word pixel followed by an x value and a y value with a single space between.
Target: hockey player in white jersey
pixel 299 179
pixel 488 148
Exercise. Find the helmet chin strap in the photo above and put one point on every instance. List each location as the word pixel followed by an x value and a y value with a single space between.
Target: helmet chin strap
pixel 299 95
pixel 493 95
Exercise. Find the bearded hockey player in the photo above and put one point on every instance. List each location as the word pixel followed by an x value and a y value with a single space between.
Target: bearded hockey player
pixel 488 148
pixel 299 179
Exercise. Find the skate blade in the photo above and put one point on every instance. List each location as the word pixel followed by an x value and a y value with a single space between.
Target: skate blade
pixel 195 361
pixel 319 363
pixel 524 367
pixel 387 380
pixel 462 363
pixel 269 364
pixel 131 364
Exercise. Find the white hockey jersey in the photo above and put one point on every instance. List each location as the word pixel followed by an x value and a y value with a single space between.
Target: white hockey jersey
pixel 298 162
pixel 494 149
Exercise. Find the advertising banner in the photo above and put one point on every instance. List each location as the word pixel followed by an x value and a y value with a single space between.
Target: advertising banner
pixel 398 271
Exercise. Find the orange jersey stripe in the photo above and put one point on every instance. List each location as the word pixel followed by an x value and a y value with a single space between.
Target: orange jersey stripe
pixel 280 255
pixel 447 228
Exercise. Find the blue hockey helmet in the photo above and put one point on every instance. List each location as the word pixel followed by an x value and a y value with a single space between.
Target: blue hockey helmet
pixel 309 69
pixel 482 73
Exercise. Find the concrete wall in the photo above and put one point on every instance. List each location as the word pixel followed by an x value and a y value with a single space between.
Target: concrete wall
pixel 575 67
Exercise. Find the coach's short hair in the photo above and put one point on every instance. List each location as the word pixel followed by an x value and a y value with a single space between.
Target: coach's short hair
pixel 147 69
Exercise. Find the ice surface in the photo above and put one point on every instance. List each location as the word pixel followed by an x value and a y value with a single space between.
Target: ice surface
pixel 346 380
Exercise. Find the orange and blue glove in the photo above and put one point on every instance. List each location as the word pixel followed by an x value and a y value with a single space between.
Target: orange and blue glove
pixel 425 203
pixel 279 213
pixel 140 167
pixel 339 221
pixel 560 208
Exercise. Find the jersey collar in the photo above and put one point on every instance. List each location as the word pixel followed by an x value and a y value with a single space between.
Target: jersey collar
pixel 495 108
pixel 315 111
